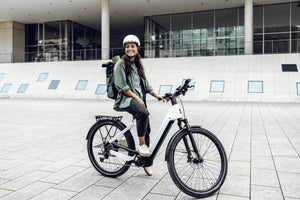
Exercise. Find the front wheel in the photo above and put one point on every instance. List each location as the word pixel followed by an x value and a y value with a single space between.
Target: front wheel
pixel 197 178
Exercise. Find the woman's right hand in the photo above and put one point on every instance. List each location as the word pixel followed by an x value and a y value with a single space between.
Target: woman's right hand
pixel 141 101
pixel 134 96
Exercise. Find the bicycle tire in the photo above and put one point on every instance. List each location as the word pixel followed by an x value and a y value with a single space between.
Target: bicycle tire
pixel 197 179
pixel 99 134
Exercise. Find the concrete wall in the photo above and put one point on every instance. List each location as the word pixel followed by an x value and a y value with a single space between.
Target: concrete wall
pixel 12 42
pixel 236 71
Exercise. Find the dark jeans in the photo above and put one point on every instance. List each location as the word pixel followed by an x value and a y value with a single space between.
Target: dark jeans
pixel 141 114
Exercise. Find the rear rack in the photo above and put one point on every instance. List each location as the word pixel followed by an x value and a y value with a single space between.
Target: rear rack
pixel 104 117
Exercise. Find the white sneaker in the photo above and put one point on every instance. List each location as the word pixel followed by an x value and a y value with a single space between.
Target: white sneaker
pixel 148 171
pixel 144 151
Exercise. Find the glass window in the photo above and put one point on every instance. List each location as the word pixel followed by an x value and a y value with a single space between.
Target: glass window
pixel 257 47
pixel 241 16
pixel 255 86
pixel 277 43
pixel 81 85
pixel 5 88
pixel 217 86
pixel 79 41
pixel 298 88
pixel 226 18
pixel 163 89
pixel 22 88
pixel 101 89
pixel 258 19
pixel 1 76
pixel 203 20
pixel 295 42
pixel 275 22
pixel 181 25
pixel 295 12
pixel 52 32
pixel 31 31
pixel 54 84
pixel 43 77
pixel 160 27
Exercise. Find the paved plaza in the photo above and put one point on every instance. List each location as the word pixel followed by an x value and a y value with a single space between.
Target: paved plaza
pixel 43 151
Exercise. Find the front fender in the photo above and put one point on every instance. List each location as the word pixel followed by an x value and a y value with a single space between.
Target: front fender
pixel 178 133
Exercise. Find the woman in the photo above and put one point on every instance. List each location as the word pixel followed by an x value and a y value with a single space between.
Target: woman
pixel 131 82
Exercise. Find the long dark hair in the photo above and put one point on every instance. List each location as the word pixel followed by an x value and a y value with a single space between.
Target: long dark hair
pixel 138 64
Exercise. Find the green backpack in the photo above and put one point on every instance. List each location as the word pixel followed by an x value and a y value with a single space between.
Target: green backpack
pixel 111 89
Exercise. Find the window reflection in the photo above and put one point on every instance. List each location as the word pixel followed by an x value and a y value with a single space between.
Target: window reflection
pixel 203 33
pixel 61 40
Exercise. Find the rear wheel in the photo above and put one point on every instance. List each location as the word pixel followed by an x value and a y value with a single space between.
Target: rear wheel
pixel 105 163
pixel 197 178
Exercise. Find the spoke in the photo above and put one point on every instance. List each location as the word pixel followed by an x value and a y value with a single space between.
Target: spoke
pixel 198 176
pixel 101 135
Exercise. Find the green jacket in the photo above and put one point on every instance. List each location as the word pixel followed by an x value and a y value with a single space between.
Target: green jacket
pixel 123 84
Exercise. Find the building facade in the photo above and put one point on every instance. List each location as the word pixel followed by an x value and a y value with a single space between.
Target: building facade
pixel 262 29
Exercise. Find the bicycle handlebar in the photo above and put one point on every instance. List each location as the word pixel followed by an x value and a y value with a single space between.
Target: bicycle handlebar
pixel 180 90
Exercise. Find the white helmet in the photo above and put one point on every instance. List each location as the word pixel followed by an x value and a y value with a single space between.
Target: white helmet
pixel 131 38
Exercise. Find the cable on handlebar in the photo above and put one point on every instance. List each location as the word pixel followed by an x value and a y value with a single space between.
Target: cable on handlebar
pixel 179 90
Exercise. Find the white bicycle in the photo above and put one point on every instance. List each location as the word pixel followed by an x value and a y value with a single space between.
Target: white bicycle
pixel 195 157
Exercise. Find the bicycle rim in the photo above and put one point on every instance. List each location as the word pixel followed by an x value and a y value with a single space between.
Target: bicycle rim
pixel 107 164
pixel 198 179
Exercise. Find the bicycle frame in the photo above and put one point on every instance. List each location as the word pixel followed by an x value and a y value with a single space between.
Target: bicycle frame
pixel 174 113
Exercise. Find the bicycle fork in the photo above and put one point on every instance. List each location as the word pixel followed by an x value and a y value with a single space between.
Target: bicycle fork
pixel 198 158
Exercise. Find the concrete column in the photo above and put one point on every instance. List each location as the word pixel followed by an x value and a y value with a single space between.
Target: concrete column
pixel 105 29
pixel 248 27
pixel 12 42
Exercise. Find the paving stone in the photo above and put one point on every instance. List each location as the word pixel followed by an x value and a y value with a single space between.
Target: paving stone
pixel 15 172
pixel 159 169
pixel 166 186
pixel 83 163
pixel 280 150
pixel 262 162
pixel 58 165
pixel 24 180
pixel 238 168
pixel 264 177
pixel 290 184
pixel 45 150
pixel 93 193
pixel 7 164
pixel 240 156
pixel 151 196
pixel 262 150
pixel 230 197
pixel 62 175
pixel 183 196
pixel 267 193
pixel 2 181
pixel 28 192
pixel 115 182
pixel 4 192
pixel 236 186
pixel 54 194
pixel 287 164
pixel 80 181
pixel 132 189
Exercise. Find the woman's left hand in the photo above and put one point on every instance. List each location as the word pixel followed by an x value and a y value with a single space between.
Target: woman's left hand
pixel 160 98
